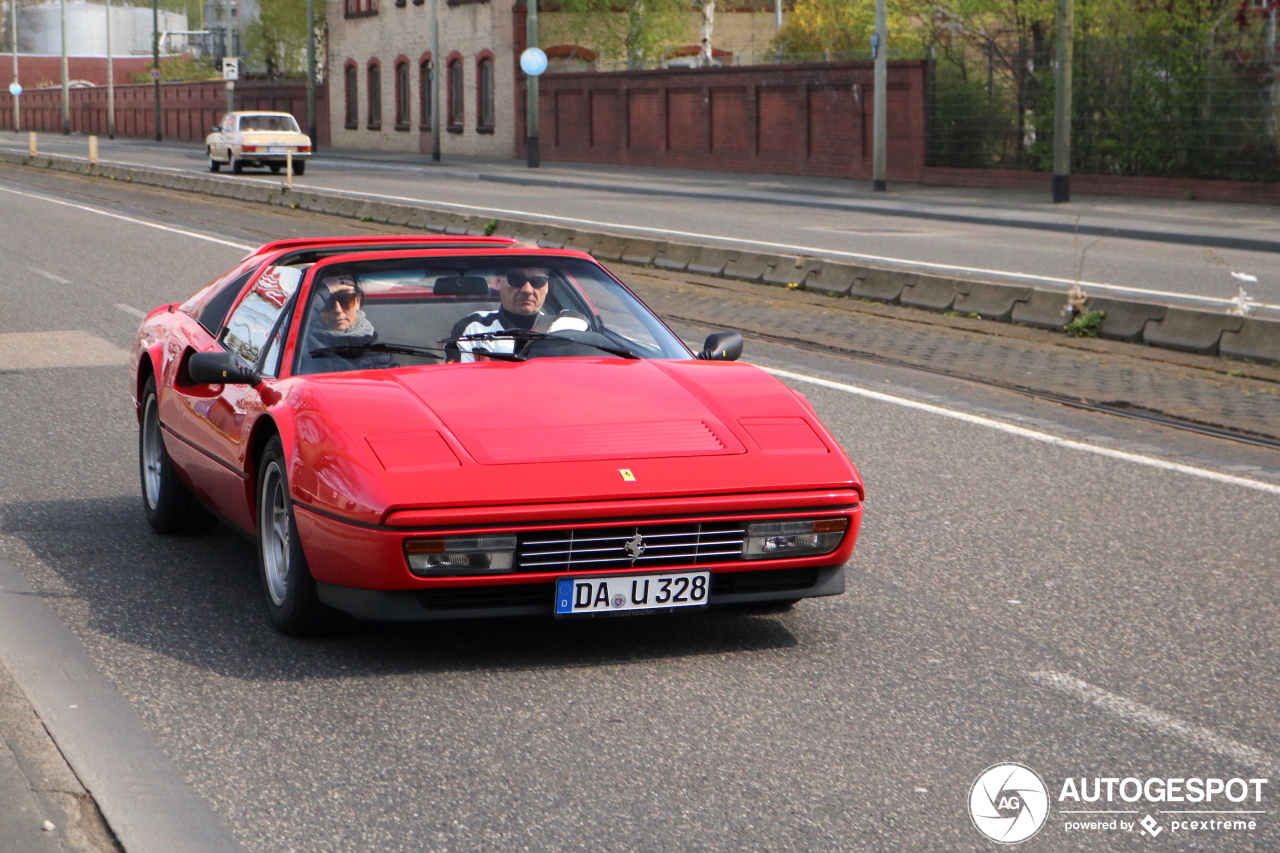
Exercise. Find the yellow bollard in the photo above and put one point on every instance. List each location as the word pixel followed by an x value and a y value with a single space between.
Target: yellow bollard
pixel 31 143
pixel 288 165
pixel 93 149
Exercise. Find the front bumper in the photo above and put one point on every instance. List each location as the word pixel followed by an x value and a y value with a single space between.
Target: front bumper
pixel 536 599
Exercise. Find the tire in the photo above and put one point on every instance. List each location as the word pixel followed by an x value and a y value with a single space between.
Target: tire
pixel 214 165
pixel 237 166
pixel 299 167
pixel 275 168
pixel 169 505
pixel 290 591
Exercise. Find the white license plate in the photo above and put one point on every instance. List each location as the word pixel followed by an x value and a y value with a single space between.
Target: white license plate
pixel 277 149
pixel 622 593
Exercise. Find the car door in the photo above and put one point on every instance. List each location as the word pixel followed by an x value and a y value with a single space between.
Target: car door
pixel 217 420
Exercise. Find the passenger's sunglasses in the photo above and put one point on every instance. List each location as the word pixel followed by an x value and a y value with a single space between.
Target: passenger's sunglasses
pixel 537 282
pixel 347 299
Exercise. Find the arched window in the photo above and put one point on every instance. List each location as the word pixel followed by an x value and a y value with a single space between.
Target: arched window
pixel 375 95
pixel 428 92
pixel 403 109
pixel 484 95
pixel 352 93
pixel 456 110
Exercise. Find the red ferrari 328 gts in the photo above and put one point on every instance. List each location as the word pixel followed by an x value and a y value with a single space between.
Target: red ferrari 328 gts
pixel 417 428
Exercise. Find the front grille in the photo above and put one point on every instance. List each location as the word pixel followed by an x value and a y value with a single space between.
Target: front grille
pixel 594 549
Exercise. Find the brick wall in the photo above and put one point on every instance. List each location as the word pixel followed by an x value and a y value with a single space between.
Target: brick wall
pixel 42 70
pixel 188 110
pixel 791 119
pixel 472 30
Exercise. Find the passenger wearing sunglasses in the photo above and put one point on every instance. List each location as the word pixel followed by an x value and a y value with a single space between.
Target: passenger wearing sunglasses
pixel 342 323
pixel 522 293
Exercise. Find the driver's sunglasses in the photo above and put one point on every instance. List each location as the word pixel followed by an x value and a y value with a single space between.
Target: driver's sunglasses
pixel 537 282
pixel 346 298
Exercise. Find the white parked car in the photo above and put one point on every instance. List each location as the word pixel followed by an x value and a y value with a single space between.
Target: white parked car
pixel 257 139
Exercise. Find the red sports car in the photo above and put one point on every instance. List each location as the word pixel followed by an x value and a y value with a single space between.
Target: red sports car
pixel 417 428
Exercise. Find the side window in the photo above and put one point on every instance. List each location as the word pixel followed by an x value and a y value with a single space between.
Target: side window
pixel 255 317
pixel 214 312
pixel 275 347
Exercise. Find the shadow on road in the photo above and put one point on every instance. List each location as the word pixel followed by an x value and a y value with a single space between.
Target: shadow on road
pixel 198 600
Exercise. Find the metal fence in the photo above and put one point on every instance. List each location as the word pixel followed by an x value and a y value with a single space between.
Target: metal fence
pixel 1186 107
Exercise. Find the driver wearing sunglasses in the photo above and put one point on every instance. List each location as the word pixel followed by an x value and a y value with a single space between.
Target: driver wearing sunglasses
pixel 522 292
pixel 340 321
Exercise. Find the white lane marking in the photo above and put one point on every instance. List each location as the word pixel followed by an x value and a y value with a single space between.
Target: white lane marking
pixel 59 279
pixel 1034 435
pixel 130 310
pixel 1159 721
pixel 132 219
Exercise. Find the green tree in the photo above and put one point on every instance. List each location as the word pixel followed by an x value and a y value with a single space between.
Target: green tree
pixel 276 40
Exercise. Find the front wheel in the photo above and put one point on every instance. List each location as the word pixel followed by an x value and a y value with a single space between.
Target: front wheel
pixel 299 167
pixel 169 505
pixel 292 602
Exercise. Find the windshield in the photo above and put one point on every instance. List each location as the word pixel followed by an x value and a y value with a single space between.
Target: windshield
pixel 280 124
pixel 411 311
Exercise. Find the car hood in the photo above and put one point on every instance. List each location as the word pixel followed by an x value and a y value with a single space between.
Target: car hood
pixel 555 430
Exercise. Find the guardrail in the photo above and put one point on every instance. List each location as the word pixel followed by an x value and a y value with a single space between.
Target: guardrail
pixel 1154 324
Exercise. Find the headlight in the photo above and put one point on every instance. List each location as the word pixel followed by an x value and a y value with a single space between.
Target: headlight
pixel 773 539
pixel 460 555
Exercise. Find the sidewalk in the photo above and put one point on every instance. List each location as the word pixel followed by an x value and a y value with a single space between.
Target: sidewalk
pixel 43 806
pixel 1219 224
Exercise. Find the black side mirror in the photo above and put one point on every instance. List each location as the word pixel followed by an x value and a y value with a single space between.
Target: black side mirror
pixel 220 368
pixel 722 346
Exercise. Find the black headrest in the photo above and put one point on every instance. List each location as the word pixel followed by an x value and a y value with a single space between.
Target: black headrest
pixel 465 285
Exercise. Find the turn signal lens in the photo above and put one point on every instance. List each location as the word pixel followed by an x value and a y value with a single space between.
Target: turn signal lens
pixel 460 555
pixel 304 149
pixel 775 539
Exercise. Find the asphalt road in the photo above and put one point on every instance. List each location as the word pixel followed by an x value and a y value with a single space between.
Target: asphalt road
pixel 1010 599
pixel 818 217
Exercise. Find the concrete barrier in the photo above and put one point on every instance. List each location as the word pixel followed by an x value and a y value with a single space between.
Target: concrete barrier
pixel 990 301
pixel 932 294
pixel 879 285
pixel 1183 329
pixel 1190 331
pixel 1256 340
pixel 1046 309
pixel 1124 320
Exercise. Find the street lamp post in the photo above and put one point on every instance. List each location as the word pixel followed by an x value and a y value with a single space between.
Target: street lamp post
pixel 66 78
pixel 880 109
pixel 531 92
pixel 111 82
pixel 16 88
pixel 1062 103
pixel 311 74
pixel 155 58
pixel 435 81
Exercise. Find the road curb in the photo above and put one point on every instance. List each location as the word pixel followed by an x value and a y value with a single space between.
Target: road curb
pixel 1136 321
pixel 144 799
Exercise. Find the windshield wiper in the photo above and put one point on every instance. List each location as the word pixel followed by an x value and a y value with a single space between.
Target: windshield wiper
pixel 354 349
pixel 531 335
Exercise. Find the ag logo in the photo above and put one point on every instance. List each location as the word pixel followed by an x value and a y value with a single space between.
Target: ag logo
pixel 1008 803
